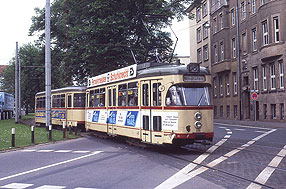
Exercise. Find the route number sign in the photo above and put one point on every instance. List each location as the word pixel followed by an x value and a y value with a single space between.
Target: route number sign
pixel 254 96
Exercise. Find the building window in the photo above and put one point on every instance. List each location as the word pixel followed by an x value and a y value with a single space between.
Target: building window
pixel 221 21
pixel 227 85
pixel 234 84
pixel 244 44
pixel 232 17
pixel 216 54
pixel 254 40
pixel 281 75
pixel 282 111
pixel 235 115
pixel 227 111
pixel 199 35
pixel 272 77
pixel 215 111
pixel 198 14
pixel 205 30
pixel 255 78
pixel 265 111
pixel 205 9
pixel 243 9
pixel 221 111
pixel 264 78
pixel 276 29
pixel 233 48
pixel 253 8
pixel 221 51
pixel 215 86
pixel 264 1
pixel 199 54
pixel 273 111
pixel 206 52
pixel 265 33
pixel 214 25
pixel 220 86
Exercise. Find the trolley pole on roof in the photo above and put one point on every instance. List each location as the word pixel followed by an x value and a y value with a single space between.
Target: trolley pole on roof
pixel 48 64
pixel 16 87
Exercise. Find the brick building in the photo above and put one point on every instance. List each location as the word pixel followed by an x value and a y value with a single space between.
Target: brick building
pixel 250 35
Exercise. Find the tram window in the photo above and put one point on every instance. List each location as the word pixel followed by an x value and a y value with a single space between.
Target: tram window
pixel 69 101
pixel 99 97
pixel 157 123
pixel 157 100
pixel 41 102
pixel 122 95
pixel 114 97
pixel 133 94
pixel 145 122
pixel 145 95
pixel 79 100
pixel 109 98
pixel 188 96
pixel 58 101
pixel 91 99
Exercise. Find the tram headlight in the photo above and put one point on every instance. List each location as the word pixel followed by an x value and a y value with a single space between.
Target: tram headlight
pixel 198 125
pixel 198 116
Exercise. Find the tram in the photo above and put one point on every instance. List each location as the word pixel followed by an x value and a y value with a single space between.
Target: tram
pixel 67 107
pixel 152 103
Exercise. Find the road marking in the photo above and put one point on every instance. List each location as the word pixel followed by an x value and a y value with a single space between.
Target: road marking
pixel 28 150
pixel 183 176
pixel 84 188
pixel 180 176
pixel 45 151
pixel 16 186
pixel 50 187
pixel 259 131
pixel 81 152
pixel 239 129
pixel 267 172
pixel 49 166
pixel 63 151
pixel 242 126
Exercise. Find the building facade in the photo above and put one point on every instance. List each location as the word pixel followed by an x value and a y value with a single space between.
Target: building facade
pixel 200 34
pixel 248 56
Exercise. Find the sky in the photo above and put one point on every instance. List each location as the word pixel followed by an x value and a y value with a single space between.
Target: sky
pixel 15 21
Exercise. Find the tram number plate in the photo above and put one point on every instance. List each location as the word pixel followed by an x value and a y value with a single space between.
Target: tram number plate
pixel 194 78
pixel 199 136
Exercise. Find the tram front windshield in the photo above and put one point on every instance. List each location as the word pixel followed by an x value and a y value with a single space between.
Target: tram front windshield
pixel 188 95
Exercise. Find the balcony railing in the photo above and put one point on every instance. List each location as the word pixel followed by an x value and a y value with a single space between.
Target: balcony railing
pixel 218 5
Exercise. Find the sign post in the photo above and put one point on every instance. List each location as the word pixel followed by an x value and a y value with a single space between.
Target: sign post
pixel 254 97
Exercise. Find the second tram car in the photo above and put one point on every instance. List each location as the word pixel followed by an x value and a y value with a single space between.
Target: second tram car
pixel 68 106
pixel 157 104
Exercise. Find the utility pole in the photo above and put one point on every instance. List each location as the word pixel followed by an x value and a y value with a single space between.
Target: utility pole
pixel 48 64
pixel 16 86
pixel 20 89
pixel 239 62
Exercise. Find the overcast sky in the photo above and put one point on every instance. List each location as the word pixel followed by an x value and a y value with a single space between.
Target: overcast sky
pixel 15 20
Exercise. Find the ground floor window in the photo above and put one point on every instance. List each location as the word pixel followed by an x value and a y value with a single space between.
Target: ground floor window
pixel 221 111
pixel 282 112
pixel 273 111
pixel 235 111
pixel 227 111
pixel 265 111
pixel 215 111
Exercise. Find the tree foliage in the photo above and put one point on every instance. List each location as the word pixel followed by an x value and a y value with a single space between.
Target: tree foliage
pixel 95 36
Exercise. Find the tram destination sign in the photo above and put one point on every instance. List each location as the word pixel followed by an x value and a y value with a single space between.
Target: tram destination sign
pixel 194 78
pixel 113 76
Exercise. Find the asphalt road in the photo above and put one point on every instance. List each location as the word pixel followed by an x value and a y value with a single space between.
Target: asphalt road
pixel 239 157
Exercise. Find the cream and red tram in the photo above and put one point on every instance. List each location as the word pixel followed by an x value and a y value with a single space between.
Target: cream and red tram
pixel 67 105
pixel 158 104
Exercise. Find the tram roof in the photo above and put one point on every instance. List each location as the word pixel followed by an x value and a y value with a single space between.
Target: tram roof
pixel 65 89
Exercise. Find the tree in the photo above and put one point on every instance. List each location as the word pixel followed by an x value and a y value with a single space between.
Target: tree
pixel 32 74
pixel 95 36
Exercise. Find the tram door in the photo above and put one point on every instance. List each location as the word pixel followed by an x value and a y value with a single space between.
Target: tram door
pixel 149 111
pixel 111 111
pixel 69 111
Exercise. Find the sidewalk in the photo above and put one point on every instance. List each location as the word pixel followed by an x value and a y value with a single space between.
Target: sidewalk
pixel 267 124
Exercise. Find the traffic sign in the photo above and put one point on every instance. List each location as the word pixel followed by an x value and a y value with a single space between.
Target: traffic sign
pixel 254 96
